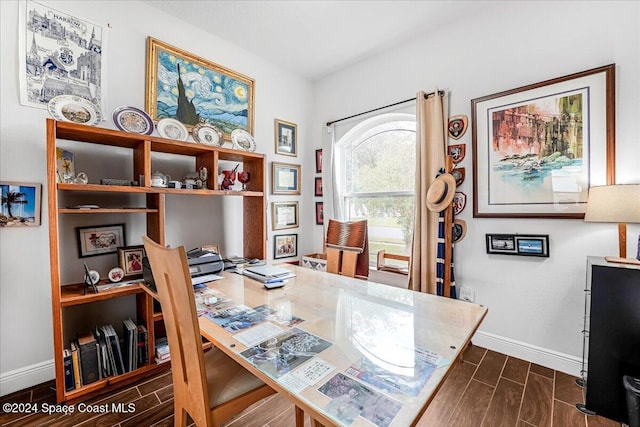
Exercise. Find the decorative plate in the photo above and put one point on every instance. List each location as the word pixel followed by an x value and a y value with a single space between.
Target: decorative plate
pixel 71 108
pixel 116 274
pixel 204 133
pixel 172 129
pixel 242 140
pixel 134 120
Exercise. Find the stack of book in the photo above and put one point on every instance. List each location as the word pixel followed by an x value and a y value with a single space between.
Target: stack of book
pixel 162 350
pixel 98 354
pixel 268 273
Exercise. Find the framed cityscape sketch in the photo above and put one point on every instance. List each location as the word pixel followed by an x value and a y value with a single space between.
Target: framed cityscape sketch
pixel 183 86
pixel 537 149
pixel 21 203
pixel 60 54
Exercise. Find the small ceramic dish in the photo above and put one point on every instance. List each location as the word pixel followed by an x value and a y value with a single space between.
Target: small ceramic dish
pixel 204 133
pixel 242 140
pixel 134 120
pixel 172 129
pixel 74 109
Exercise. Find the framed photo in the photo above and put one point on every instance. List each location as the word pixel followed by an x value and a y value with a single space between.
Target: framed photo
pixel 285 246
pixel 286 138
pixel 21 202
pixel 131 260
pixel 518 244
pixel 319 160
pixel 284 215
pixel 319 213
pixel 285 178
pixel 170 94
pixel 101 240
pixel 537 149
pixel 318 187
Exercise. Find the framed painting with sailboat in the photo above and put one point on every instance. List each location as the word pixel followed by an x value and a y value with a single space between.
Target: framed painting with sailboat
pixel 193 90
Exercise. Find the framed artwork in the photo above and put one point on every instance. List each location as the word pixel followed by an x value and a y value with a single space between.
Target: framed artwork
pixel 100 240
pixel 286 138
pixel 130 258
pixel 285 246
pixel 537 149
pixel 518 244
pixel 319 213
pixel 284 215
pixel 192 90
pixel 21 202
pixel 318 187
pixel 319 160
pixel 285 178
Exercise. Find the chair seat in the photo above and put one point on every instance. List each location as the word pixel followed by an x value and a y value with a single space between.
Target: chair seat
pixel 226 378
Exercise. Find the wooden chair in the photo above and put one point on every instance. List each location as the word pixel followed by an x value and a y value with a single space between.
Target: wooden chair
pixel 393 275
pixel 209 387
pixel 347 247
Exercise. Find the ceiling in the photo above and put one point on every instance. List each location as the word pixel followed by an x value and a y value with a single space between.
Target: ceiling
pixel 315 38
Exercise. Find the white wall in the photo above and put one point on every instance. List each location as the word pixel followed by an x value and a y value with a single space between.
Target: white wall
pixel 535 305
pixel 25 298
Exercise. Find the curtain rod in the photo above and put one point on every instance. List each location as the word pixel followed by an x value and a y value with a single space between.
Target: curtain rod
pixel 440 92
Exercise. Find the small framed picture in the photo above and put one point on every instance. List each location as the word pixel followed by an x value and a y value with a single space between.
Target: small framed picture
pixel 65 170
pixel 286 138
pixel 21 203
pixel 100 240
pixel 518 244
pixel 131 260
pixel 319 213
pixel 285 178
pixel 211 248
pixel 284 215
pixel 319 160
pixel 318 187
pixel 285 246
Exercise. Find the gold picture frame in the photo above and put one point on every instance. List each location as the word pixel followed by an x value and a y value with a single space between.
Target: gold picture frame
pixel 286 138
pixel 166 95
pixel 284 215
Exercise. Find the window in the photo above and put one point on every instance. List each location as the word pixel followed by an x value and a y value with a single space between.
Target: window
pixel 375 180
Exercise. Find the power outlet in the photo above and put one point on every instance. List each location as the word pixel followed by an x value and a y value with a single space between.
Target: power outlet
pixel 467 294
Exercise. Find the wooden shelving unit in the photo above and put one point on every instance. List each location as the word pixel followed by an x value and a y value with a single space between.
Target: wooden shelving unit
pixel 65 295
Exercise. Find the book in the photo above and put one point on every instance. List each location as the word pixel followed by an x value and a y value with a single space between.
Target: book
pixel 88 358
pixel 268 271
pixel 113 348
pixel 103 355
pixel 75 360
pixel 130 344
pixel 162 349
pixel 69 379
pixel 268 279
pixel 143 346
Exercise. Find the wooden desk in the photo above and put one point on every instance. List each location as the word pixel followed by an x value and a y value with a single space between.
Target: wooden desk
pixel 360 319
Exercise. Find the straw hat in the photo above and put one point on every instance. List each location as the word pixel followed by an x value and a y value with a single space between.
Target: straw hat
pixel 459 230
pixel 441 192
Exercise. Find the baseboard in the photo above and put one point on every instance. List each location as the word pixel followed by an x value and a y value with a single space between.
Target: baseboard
pixel 551 359
pixel 26 377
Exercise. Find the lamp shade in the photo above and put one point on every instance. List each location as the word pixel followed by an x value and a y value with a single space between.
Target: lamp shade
pixel 614 203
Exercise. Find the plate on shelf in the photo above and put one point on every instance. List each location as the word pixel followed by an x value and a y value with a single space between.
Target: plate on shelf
pixel 74 109
pixel 132 119
pixel 242 140
pixel 172 129
pixel 116 274
pixel 204 133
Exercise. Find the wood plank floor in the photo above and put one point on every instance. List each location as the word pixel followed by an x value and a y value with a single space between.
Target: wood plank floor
pixel 485 389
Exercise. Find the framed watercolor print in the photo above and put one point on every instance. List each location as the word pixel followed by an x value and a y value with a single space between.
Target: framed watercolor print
pixel 319 213
pixel 284 215
pixel 285 178
pixel 537 149
pixel 100 240
pixel 286 138
pixel 21 203
pixel 318 187
pixel 130 258
pixel 285 246
pixel 212 93
pixel 319 160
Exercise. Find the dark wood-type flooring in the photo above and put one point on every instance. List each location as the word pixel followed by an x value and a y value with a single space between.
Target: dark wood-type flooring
pixel 485 389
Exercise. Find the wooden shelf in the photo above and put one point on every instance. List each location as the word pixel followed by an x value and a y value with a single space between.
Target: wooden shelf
pixel 107 210
pixel 72 294
pixel 154 190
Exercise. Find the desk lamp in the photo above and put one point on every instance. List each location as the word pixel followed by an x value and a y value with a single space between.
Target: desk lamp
pixel 615 203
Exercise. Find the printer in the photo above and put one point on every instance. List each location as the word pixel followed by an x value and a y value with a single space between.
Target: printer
pixel 203 267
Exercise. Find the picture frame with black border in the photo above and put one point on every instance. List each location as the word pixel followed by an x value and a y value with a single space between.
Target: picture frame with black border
pixel 319 213
pixel 318 187
pixel 518 244
pixel 319 160
pixel 285 246
pixel 100 239
pixel 130 259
